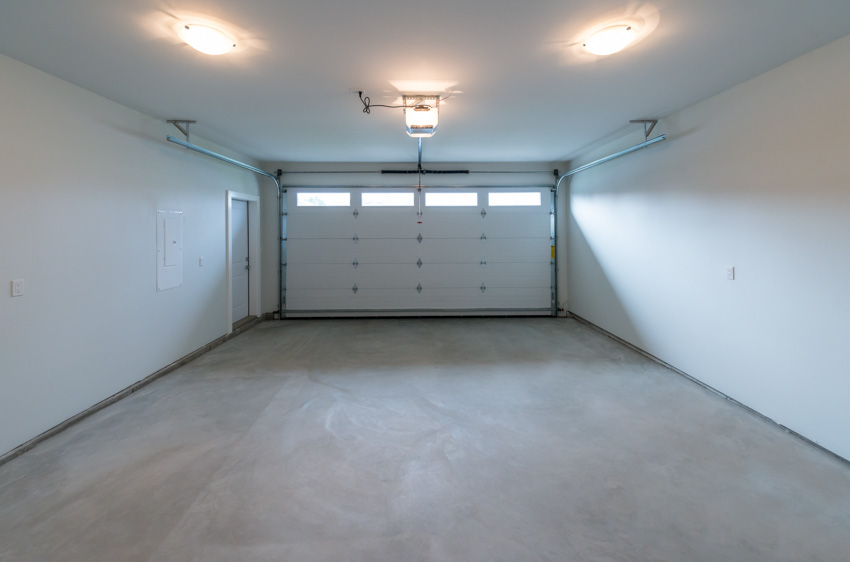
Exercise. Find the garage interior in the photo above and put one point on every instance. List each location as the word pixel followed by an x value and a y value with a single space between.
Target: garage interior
pixel 379 284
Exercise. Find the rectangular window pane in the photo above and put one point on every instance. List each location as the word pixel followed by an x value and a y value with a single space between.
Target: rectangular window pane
pixel 334 199
pixel 451 199
pixel 519 199
pixel 379 199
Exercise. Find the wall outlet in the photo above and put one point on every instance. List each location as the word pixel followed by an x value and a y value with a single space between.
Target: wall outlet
pixel 17 287
pixel 201 262
pixel 730 272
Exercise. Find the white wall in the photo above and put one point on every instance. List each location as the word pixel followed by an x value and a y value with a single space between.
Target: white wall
pixel 757 177
pixel 81 179
pixel 521 173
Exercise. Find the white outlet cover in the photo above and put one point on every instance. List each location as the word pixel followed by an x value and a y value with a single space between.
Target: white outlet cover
pixel 17 287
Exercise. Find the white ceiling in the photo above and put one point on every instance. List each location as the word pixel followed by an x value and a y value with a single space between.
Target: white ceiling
pixel 527 94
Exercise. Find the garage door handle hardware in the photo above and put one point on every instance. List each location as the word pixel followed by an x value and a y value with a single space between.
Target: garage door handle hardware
pixel 355 213
pixel 483 238
pixel 419 238
pixel 355 264
pixel 483 288
pixel 483 213
pixel 356 238
pixel 354 288
pixel 419 263
pixel 419 288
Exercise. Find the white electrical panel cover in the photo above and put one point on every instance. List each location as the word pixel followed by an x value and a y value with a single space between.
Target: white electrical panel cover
pixel 169 249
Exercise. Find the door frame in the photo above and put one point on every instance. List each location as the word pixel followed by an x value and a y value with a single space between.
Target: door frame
pixel 254 293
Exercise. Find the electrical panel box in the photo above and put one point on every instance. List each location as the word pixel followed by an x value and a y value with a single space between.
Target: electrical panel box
pixel 169 249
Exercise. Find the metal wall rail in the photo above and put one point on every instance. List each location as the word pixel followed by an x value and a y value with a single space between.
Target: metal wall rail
pixel 273 177
pixel 221 157
pixel 610 157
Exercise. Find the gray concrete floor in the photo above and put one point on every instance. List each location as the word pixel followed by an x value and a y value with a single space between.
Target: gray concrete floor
pixel 424 439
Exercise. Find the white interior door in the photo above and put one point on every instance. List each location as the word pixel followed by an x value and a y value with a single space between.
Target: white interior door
pixel 239 265
pixel 349 258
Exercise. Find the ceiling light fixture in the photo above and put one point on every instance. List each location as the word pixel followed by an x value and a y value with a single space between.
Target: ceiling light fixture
pixel 610 40
pixel 206 39
pixel 421 114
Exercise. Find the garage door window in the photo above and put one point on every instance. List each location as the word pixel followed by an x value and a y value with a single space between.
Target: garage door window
pixel 519 199
pixel 336 199
pixel 451 199
pixel 387 199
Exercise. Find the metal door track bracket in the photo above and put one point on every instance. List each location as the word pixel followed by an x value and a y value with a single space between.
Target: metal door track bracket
pixel 179 124
pixel 648 125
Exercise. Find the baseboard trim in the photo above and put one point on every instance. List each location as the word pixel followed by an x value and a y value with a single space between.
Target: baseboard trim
pixel 29 445
pixel 708 387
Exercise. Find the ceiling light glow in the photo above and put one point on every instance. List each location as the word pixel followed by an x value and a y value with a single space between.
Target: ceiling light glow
pixel 610 40
pixel 206 39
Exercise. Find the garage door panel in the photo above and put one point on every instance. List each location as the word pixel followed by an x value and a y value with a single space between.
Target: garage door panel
pixel 519 250
pixel 344 251
pixel 434 299
pixel 301 251
pixel 520 226
pixel 438 227
pixel 321 276
pixel 517 275
pixel 320 226
pixel 401 276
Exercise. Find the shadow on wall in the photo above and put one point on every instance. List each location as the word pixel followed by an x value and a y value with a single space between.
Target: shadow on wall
pixel 584 265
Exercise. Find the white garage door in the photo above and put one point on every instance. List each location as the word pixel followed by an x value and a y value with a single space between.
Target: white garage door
pixel 397 251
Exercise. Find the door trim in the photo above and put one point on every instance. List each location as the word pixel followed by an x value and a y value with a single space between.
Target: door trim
pixel 254 293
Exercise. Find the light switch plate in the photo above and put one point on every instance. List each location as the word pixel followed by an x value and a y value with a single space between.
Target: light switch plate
pixel 730 272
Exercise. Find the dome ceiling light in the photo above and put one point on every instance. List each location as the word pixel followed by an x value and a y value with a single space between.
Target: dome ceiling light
pixel 610 40
pixel 206 39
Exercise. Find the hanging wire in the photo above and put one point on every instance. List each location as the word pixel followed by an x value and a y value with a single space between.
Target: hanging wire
pixel 368 105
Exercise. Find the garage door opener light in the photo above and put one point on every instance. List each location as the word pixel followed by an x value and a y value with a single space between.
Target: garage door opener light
pixel 421 114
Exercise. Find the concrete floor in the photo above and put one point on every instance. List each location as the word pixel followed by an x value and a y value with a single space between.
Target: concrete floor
pixel 424 439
